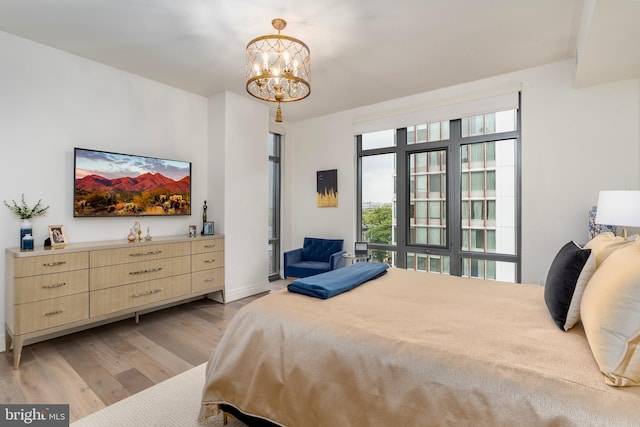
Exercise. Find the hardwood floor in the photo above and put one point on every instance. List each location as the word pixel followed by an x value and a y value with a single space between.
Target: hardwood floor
pixel 100 366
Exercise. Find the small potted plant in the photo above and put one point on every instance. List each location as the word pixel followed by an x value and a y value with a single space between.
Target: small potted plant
pixel 26 213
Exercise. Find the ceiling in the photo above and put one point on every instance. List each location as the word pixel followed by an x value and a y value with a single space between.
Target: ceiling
pixel 362 51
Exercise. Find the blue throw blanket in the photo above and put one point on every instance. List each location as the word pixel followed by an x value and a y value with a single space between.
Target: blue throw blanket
pixel 335 282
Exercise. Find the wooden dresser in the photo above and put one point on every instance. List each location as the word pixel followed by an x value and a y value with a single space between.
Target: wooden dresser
pixel 52 292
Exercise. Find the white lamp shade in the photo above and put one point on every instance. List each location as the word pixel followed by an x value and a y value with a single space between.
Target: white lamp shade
pixel 619 208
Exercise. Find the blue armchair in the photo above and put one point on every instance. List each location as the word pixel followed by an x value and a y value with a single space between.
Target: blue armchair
pixel 314 257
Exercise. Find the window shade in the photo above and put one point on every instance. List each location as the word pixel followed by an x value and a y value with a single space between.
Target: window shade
pixel 439 110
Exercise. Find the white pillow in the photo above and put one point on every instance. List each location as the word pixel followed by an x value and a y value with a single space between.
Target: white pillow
pixel 604 244
pixel 610 312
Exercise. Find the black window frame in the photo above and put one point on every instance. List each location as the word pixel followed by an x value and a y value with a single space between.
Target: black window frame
pixel 453 235
pixel 275 241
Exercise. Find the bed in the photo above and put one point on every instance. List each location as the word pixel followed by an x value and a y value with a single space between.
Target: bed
pixel 412 349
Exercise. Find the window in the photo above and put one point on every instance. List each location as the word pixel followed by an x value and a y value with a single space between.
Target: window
pixel 378 140
pixel 274 206
pixel 430 132
pixel 443 184
pixel 427 194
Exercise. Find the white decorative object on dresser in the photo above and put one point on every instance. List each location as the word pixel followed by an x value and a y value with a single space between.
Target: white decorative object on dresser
pixel 52 292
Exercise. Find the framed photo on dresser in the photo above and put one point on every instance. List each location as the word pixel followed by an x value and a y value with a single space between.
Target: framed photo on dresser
pixel 207 228
pixel 57 236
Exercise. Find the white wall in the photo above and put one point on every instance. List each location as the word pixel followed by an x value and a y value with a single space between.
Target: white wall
pixel 51 102
pixel 310 146
pixel 574 143
pixel 239 184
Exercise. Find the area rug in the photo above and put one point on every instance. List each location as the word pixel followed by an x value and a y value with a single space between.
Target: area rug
pixel 171 403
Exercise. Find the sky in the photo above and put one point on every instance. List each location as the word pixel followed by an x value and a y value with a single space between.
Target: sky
pixel 377 178
pixel 378 170
pixel 114 165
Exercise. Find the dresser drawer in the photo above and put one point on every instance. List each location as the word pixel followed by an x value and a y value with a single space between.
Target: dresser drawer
pixel 207 261
pixel 39 315
pixel 115 275
pixel 127 297
pixel 54 263
pixel 207 280
pixel 137 253
pixel 45 286
pixel 207 245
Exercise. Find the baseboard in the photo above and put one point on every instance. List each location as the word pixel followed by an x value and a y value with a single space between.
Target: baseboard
pixel 247 291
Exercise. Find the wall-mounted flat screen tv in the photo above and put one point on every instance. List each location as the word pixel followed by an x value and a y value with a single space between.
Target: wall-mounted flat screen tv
pixel 113 185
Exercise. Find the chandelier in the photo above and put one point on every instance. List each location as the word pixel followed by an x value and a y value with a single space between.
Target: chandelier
pixel 278 68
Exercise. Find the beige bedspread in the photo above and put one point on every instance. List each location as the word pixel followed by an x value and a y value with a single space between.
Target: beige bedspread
pixel 412 349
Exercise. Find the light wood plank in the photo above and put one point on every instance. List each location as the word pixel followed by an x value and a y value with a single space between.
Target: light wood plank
pixel 32 375
pixel 130 355
pixel 58 381
pixel 102 383
pixel 10 390
pixel 134 381
pixel 161 354
pixel 108 358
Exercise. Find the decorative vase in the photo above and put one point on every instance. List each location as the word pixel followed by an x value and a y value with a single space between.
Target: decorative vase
pixel 25 228
pixel 27 243
pixel 131 237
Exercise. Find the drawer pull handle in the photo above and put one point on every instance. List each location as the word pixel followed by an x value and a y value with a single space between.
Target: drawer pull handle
pixel 54 285
pixel 208 261
pixel 151 270
pixel 53 313
pixel 142 294
pixel 145 253
pixel 209 246
pixel 53 264
pixel 210 279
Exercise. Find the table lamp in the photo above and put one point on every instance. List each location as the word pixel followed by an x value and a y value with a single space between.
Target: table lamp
pixel 620 208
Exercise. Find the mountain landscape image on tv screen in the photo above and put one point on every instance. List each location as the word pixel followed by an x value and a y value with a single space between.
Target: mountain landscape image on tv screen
pixel 112 184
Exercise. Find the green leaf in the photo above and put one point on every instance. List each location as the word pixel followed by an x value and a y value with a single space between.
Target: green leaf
pixel 24 211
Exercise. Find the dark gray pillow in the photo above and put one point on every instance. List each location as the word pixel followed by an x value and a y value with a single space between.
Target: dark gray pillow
pixel 568 275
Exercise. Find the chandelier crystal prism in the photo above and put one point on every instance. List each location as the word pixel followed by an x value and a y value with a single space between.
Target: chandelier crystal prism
pixel 278 68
